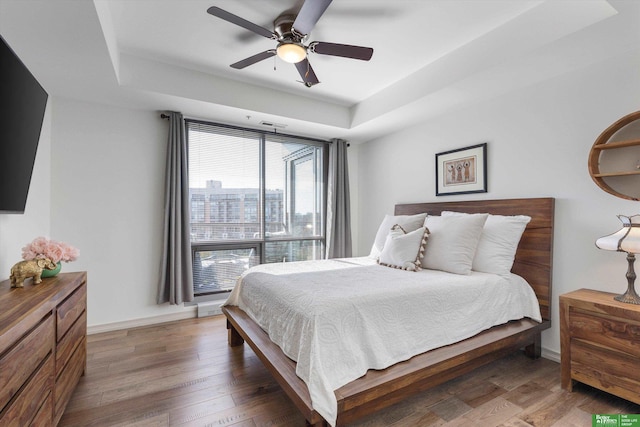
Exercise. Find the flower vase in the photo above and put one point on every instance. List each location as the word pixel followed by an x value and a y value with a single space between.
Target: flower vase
pixel 51 273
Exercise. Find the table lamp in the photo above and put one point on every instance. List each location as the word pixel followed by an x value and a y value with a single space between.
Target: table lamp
pixel 627 239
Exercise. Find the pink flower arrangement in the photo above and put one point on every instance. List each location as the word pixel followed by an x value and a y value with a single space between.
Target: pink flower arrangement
pixel 41 247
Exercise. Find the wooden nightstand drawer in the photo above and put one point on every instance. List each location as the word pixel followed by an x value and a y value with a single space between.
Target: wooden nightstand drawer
pixel 620 334
pixel 593 361
pixel 600 343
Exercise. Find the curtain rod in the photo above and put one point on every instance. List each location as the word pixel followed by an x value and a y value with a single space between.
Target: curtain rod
pixel 166 116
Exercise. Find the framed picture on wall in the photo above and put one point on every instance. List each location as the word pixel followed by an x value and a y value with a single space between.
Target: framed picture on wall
pixel 462 171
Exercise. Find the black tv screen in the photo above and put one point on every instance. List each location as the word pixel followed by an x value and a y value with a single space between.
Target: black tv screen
pixel 22 106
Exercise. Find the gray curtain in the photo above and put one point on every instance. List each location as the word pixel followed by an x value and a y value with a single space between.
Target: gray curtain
pixel 338 241
pixel 176 279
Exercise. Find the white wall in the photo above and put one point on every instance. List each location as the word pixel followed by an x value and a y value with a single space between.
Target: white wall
pixel 538 143
pixel 107 200
pixel 16 230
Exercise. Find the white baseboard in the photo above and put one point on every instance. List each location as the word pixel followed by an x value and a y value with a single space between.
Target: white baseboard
pixel 551 355
pixel 189 313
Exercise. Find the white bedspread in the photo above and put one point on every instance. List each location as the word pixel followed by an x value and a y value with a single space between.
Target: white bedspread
pixel 339 318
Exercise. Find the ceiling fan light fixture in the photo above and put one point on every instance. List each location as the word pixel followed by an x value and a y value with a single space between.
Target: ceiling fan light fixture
pixel 291 52
pixel 291 31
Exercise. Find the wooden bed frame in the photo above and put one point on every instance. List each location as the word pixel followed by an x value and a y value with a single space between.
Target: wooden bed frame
pixel 378 389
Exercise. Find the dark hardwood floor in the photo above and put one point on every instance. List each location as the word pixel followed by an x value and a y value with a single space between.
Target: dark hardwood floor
pixel 184 374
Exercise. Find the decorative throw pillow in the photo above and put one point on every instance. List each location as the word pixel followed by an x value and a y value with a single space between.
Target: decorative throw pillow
pixel 498 243
pixel 404 250
pixel 407 222
pixel 452 242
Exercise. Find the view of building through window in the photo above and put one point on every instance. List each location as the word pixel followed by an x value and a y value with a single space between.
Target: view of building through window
pixel 254 198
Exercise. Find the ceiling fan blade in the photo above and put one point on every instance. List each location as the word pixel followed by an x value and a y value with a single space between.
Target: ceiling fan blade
pixel 234 19
pixel 253 59
pixel 309 14
pixel 306 72
pixel 344 50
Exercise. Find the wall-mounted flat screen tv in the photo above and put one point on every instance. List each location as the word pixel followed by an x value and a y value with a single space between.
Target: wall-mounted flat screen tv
pixel 22 106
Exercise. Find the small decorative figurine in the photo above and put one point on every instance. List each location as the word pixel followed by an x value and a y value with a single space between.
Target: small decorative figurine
pixel 31 268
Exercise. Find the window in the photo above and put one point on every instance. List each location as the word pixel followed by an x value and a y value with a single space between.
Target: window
pixel 255 197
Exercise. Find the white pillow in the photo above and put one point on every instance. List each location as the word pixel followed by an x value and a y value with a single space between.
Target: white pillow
pixel 404 250
pixel 498 243
pixel 407 222
pixel 452 242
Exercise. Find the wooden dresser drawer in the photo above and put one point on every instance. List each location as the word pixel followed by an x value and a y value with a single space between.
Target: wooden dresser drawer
pixel 69 310
pixel 612 332
pixel 22 410
pixel 43 417
pixel 69 377
pixel 70 342
pixel 19 363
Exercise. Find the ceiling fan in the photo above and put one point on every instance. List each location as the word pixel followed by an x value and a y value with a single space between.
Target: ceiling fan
pixel 291 32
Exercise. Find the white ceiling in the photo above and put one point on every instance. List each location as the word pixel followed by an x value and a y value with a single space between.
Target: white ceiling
pixel 430 56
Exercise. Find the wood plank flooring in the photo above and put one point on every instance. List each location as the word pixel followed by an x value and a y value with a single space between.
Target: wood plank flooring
pixel 184 374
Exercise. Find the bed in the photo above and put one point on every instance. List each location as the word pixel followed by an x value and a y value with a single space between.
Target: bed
pixel 380 388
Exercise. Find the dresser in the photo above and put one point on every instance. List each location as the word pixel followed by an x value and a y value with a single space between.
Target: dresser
pixel 600 343
pixel 42 348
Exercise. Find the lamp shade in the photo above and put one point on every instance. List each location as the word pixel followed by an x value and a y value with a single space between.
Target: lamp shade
pixel 627 239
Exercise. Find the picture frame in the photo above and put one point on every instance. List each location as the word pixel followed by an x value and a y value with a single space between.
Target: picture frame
pixel 462 171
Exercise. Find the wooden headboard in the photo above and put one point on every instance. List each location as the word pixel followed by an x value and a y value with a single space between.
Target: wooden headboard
pixel 534 258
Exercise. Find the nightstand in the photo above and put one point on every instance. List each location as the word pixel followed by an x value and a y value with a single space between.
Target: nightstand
pixel 600 343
